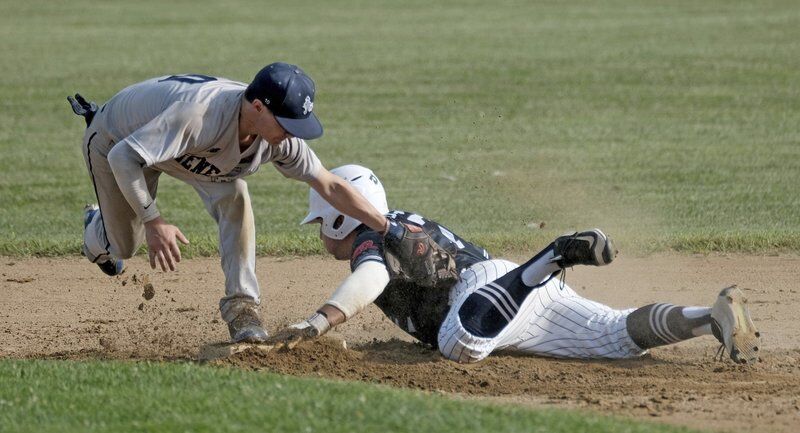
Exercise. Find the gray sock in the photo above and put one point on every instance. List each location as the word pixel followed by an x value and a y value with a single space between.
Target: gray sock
pixel 660 324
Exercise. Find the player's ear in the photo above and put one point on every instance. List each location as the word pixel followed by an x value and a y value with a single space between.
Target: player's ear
pixel 338 222
pixel 258 105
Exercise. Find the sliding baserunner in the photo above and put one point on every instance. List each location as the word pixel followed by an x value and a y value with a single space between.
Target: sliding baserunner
pixel 450 294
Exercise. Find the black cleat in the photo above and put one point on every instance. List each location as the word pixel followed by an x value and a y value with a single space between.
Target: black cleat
pixel 591 247
pixel 82 107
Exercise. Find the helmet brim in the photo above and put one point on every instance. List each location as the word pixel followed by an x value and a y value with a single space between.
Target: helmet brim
pixel 310 218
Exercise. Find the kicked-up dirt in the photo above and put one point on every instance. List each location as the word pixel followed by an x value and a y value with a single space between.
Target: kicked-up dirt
pixel 67 309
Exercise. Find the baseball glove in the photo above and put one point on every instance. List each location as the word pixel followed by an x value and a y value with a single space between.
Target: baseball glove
pixel 413 256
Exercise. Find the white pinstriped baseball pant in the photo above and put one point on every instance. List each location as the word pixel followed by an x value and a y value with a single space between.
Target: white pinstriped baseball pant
pixel 553 321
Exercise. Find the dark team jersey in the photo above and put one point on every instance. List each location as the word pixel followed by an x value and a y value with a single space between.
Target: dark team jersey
pixel 417 310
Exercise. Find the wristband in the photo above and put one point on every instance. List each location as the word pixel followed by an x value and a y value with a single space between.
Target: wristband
pixel 319 323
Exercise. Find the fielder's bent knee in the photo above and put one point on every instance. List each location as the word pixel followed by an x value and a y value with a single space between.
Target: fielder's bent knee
pixel 125 247
pixel 127 253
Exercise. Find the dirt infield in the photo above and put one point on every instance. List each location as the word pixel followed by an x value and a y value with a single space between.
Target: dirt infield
pixel 65 308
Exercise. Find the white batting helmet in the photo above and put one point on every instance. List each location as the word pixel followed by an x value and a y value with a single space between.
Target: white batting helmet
pixel 365 182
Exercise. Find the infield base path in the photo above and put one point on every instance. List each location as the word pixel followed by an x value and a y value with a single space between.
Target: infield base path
pixel 66 309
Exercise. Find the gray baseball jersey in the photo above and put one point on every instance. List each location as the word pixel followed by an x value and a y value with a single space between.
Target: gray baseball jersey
pixel 188 127
pixel 185 126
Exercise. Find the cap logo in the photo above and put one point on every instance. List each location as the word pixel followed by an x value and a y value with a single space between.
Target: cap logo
pixel 308 105
pixel 267 101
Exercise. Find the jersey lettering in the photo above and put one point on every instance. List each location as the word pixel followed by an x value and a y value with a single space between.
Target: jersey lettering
pixel 395 213
pixel 361 248
pixel 189 78
pixel 198 165
pixel 367 247
pixel 416 219
pixel 449 235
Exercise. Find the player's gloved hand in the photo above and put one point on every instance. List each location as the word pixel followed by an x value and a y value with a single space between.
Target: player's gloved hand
pixel 162 243
pixel 292 335
pixel 394 232
pixel 412 255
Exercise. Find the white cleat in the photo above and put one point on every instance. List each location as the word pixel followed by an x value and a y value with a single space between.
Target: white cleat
pixel 733 327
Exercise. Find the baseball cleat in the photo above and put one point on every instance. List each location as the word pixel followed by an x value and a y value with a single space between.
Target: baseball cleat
pixel 591 247
pixel 110 266
pixel 733 327
pixel 82 107
pixel 247 327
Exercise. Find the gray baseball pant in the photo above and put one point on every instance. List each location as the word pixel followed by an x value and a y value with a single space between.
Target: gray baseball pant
pixel 117 232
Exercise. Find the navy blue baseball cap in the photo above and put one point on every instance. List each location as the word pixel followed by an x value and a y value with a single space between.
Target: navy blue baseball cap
pixel 289 94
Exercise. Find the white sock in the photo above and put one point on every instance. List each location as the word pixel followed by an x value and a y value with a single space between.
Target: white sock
pixel 540 271
pixel 695 313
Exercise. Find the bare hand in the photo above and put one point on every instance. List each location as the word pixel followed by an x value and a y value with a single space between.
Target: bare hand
pixel 162 243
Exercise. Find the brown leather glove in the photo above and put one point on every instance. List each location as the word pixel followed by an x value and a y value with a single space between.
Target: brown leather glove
pixel 413 256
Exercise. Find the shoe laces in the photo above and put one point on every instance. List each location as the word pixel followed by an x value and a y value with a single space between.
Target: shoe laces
pixel 716 330
pixel 562 279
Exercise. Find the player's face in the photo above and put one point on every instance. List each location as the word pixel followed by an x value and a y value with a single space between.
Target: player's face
pixel 267 126
pixel 340 249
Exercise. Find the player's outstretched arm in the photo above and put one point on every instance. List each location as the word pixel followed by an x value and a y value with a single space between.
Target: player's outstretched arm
pixel 162 243
pixel 357 291
pixel 341 195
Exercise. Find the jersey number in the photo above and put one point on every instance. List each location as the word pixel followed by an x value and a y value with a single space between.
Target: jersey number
pixel 189 78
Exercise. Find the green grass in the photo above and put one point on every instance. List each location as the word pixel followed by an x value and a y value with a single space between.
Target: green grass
pixel 674 125
pixel 65 396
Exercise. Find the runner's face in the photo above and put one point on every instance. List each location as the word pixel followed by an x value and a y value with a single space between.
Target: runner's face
pixel 338 248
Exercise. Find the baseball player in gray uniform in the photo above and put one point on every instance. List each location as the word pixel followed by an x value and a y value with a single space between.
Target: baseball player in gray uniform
pixel 209 132
pixel 496 304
